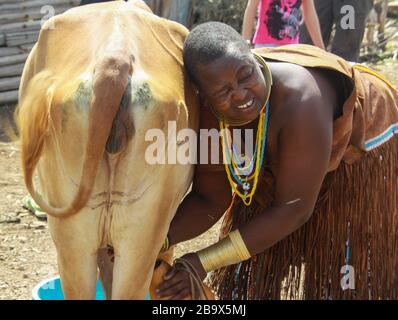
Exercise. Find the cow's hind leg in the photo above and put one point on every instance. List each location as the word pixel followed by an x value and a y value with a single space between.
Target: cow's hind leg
pixel 77 242
pixel 128 283
pixel 78 270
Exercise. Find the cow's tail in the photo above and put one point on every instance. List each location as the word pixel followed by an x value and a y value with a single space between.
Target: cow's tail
pixel 110 80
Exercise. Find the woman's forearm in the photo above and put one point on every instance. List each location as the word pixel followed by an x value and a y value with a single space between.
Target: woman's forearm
pixel 273 225
pixel 252 238
pixel 312 23
pixel 194 216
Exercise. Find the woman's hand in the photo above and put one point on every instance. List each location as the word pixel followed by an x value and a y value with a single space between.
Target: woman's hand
pixel 177 284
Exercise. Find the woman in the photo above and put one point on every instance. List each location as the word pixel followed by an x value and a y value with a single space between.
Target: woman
pixel 317 204
pixel 279 21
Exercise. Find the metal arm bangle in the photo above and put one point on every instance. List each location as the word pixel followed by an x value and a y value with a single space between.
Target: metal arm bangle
pixel 230 250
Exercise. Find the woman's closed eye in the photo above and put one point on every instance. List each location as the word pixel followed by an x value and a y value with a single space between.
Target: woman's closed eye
pixel 246 76
pixel 223 93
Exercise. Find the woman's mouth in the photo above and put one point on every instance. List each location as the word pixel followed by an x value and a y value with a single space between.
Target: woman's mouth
pixel 246 105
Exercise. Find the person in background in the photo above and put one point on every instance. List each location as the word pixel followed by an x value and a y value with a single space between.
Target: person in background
pixel 279 21
pixel 347 40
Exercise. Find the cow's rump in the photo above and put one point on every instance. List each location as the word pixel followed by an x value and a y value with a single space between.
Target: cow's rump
pixel 98 79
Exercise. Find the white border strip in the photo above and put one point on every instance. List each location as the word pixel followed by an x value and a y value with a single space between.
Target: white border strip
pixel 381 138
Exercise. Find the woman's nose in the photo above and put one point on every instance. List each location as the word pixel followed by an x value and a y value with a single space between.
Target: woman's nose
pixel 239 94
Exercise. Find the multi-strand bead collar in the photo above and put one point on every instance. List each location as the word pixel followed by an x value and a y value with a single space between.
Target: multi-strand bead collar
pixel 244 178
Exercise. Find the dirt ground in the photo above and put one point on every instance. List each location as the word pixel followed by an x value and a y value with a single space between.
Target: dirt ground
pixel 27 253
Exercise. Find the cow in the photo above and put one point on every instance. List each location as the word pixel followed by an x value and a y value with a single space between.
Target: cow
pixel 99 77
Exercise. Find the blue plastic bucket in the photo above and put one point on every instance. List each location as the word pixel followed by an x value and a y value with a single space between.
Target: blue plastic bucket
pixel 50 289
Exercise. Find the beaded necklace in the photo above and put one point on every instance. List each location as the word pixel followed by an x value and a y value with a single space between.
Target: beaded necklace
pixel 246 177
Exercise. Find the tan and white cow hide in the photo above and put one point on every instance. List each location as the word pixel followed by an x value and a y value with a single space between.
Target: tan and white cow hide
pixel 98 78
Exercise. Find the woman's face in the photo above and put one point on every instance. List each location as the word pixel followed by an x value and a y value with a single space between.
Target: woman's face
pixel 233 86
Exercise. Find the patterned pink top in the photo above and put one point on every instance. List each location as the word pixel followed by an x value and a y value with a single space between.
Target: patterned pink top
pixel 278 22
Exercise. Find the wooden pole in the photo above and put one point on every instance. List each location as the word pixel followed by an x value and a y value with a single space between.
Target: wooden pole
pixel 7 84
pixel 4 8
pixel 19 58
pixel 4 52
pixel 29 14
pixel 10 71
pixel 8 97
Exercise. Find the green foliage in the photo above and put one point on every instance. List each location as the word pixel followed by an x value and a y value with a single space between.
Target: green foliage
pixel 227 11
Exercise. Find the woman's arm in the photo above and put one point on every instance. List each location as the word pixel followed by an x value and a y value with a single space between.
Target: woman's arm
pixel 248 19
pixel 304 148
pixel 312 23
pixel 210 197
